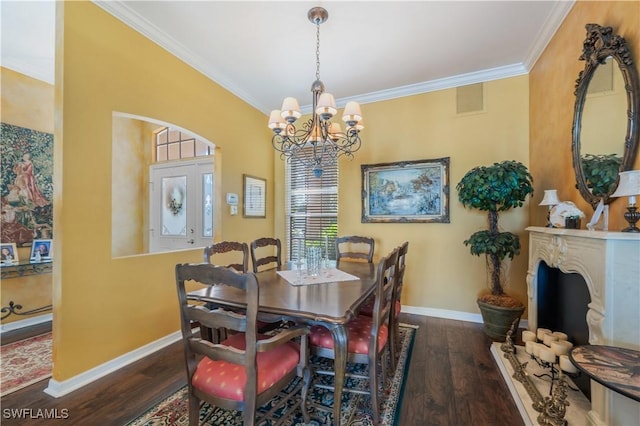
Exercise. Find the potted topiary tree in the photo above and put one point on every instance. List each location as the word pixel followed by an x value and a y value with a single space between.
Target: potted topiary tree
pixel 495 189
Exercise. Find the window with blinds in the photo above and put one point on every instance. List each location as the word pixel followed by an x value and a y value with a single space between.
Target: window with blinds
pixel 312 209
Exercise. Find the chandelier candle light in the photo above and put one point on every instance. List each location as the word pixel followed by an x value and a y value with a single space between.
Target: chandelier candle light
pixel 319 141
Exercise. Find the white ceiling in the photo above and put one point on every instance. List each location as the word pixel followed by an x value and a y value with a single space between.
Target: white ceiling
pixel 265 50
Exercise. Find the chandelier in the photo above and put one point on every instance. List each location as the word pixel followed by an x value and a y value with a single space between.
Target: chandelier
pixel 318 142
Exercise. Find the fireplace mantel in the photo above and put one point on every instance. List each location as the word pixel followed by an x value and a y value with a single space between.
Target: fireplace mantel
pixel 609 262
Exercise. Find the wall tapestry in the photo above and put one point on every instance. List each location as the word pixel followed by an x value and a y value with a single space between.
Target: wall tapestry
pixel 26 189
pixel 406 191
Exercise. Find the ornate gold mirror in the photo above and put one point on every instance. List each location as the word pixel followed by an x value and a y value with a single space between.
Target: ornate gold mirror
pixel 605 123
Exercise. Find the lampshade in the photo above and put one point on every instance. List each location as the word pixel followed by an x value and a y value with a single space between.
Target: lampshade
pixel 628 186
pixel 550 198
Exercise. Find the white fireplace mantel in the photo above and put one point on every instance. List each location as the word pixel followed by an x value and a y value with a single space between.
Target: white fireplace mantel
pixel 609 262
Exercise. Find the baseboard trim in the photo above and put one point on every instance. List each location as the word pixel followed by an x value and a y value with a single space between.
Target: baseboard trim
pixel 453 315
pixel 57 389
pixel 16 325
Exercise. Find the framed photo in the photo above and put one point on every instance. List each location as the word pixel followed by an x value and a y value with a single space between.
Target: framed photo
pixel 8 253
pixel 42 247
pixel 407 191
pixel 254 197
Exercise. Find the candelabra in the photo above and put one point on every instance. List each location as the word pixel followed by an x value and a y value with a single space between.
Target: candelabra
pixel 552 408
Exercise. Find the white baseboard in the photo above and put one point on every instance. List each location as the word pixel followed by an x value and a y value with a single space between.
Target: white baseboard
pixel 16 325
pixel 57 389
pixel 448 314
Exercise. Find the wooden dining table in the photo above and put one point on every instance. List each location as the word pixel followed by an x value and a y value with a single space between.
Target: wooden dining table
pixel 331 304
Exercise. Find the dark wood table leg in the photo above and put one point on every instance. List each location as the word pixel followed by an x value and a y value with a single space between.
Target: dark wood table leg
pixel 340 347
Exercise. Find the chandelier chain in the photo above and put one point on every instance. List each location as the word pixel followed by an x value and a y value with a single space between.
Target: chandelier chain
pixel 317 51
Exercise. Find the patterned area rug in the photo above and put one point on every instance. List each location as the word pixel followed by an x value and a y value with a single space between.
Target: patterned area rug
pixel 25 362
pixel 356 409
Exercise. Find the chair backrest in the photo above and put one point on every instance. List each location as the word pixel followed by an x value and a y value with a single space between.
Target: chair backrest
pixel 229 247
pixel 262 253
pixel 355 247
pixel 402 255
pixel 385 283
pixel 195 347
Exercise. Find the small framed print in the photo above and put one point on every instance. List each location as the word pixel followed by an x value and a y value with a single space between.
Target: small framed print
pixel 8 254
pixel 41 250
pixel 254 197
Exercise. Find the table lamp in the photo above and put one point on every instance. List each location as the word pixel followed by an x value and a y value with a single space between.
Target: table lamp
pixel 550 199
pixel 629 186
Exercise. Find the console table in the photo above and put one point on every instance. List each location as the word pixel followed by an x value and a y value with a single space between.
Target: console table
pixel 22 269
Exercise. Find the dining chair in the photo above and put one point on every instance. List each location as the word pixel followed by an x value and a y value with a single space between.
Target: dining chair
pixel 248 369
pixel 263 259
pixel 355 247
pixel 394 323
pixel 233 247
pixel 368 336
pixel 240 264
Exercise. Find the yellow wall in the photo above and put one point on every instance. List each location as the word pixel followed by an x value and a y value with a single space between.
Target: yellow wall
pixel 26 102
pixel 105 307
pixel 552 83
pixel 441 273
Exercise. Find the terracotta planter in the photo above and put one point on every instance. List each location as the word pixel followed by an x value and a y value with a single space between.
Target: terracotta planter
pixel 497 320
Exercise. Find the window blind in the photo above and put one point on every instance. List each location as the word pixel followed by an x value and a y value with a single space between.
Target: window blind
pixel 312 209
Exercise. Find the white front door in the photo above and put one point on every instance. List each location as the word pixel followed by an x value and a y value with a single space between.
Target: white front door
pixel 181 205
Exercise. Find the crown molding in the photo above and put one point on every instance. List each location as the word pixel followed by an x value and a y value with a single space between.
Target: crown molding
pixel 121 11
pixel 552 23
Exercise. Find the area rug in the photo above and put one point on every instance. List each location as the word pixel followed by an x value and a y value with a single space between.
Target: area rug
pixel 24 363
pixel 356 408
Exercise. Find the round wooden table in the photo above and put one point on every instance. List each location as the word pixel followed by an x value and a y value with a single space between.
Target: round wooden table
pixel 615 368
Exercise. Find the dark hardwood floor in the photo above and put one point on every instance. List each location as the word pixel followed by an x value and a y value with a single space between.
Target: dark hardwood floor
pixel 453 380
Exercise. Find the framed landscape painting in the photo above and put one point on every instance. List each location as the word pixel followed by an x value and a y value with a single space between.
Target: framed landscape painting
pixel 406 191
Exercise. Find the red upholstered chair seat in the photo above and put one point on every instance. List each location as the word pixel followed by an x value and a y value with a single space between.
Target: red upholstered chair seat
pixel 359 330
pixel 227 380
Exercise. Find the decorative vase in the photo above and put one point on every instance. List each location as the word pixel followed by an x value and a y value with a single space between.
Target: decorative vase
pixel 497 320
pixel 572 223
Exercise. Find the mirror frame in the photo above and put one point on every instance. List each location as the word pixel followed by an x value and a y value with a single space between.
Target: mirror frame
pixel 599 44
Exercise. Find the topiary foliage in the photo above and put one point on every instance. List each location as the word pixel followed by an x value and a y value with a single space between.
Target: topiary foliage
pixel 494 189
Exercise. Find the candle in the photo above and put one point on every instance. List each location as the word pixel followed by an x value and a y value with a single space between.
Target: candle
pixel 528 347
pixel 548 338
pixel 567 365
pixel 536 349
pixel 547 355
pixel 541 332
pixel 528 336
pixel 561 347
pixel 560 335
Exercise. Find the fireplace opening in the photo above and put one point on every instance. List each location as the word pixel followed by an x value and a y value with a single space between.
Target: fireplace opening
pixel 563 301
